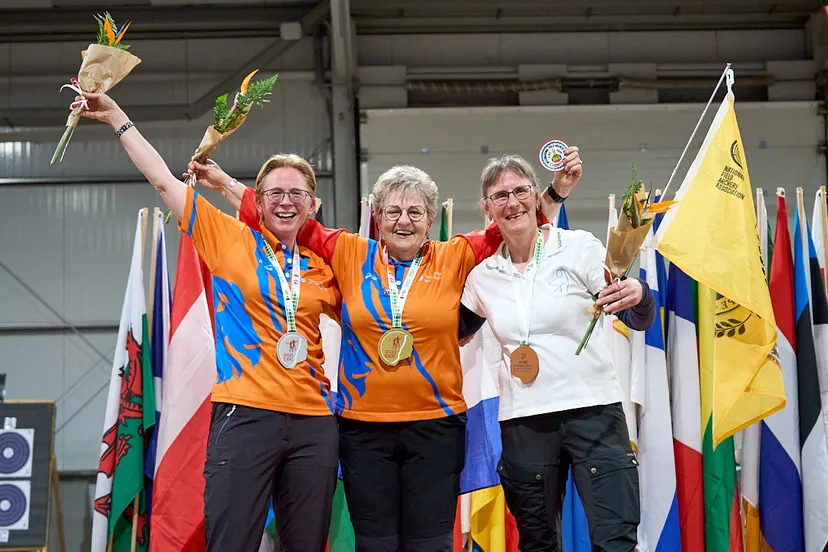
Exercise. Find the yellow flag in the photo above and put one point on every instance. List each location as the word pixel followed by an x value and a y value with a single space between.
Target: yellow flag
pixel 488 519
pixel 711 235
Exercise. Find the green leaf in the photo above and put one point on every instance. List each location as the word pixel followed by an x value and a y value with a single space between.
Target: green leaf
pixel 220 112
pixel 224 119
pixel 257 92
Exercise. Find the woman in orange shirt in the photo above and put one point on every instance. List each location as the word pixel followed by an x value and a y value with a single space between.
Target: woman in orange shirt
pixel 399 401
pixel 272 432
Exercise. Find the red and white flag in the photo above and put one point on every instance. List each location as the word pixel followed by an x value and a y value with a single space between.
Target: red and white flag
pixel 178 496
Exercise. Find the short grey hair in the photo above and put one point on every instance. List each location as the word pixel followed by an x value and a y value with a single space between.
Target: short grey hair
pixel 499 165
pixel 406 180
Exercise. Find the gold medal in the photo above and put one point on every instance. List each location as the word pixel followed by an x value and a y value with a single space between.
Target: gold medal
pixel 524 364
pixel 395 345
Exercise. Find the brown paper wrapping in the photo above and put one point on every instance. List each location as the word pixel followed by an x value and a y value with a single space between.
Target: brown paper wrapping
pixel 623 245
pixel 211 139
pixel 102 68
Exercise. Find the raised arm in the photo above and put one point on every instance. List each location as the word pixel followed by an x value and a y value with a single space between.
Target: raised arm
pixel 313 235
pixel 145 158
pixel 211 176
pixel 554 195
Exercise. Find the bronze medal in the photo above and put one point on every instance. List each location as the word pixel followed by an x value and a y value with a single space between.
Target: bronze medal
pixel 524 364
pixel 395 345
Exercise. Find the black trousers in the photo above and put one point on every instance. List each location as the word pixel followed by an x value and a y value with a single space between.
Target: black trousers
pixel 256 454
pixel 402 481
pixel 537 454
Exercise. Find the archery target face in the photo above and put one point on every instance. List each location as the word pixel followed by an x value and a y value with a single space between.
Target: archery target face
pixel 14 504
pixel 16 452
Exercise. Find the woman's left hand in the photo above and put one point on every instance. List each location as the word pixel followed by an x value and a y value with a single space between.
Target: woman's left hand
pixel 620 295
pixel 565 180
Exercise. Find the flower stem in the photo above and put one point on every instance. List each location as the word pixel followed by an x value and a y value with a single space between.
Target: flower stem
pixel 588 333
pixel 61 147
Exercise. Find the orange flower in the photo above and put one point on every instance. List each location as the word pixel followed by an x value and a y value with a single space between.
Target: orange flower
pixel 660 207
pixel 121 34
pixel 246 82
pixel 110 34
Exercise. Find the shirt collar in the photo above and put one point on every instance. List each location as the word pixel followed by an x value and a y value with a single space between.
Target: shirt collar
pixel 552 245
pixel 383 251
pixel 276 245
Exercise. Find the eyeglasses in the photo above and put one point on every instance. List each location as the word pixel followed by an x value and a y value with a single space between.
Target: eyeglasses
pixel 501 198
pixel 393 213
pixel 296 195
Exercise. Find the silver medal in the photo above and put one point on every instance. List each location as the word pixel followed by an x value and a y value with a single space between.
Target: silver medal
pixel 292 349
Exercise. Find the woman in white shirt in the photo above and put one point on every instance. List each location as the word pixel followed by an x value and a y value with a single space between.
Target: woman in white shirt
pixel 556 409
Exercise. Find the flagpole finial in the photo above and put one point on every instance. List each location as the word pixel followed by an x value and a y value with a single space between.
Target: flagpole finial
pixel 729 78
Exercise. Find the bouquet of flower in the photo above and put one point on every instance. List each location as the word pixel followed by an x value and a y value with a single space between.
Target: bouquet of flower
pixel 227 119
pixel 626 239
pixel 104 65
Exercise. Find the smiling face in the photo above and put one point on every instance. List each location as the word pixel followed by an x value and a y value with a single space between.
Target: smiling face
pixel 285 201
pixel 513 212
pixel 403 222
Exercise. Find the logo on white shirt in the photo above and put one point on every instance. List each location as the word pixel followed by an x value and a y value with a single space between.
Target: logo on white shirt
pixel 559 282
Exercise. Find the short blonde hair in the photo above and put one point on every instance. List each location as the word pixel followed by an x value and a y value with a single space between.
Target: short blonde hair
pixel 406 179
pixel 499 165
pixel 286 161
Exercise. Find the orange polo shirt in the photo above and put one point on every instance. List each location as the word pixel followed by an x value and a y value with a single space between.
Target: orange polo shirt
pixel 250 313
pixel 429 383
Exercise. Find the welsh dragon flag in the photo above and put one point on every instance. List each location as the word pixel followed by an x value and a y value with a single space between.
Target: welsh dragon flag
pixel 130 409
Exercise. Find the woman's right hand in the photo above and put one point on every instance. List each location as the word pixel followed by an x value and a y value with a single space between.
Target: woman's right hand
pixel 208 174
pixel 103 108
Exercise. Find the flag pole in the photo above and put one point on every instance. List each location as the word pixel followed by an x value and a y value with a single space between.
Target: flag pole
pixel 449 205
pixel 144 213
pixel 150 306
pixel 135 503
pixel 760 199
pixel 823 214
pixel 803 242
pixel 698 123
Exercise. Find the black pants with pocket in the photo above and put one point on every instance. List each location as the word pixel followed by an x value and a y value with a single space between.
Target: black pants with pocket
pixel 537 454
pixel 256 454
pixel 401 481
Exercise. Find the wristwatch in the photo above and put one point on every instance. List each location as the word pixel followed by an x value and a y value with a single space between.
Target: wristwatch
pixel 553 195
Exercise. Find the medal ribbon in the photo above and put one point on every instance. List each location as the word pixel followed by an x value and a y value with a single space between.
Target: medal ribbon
pixel 524 315
pixel 398 297
pixel 290 295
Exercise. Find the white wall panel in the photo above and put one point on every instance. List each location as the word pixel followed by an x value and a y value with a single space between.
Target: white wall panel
pixel 437 50
pixel 32 223
pixel 80 410
pixel 780 147
pixel 295 120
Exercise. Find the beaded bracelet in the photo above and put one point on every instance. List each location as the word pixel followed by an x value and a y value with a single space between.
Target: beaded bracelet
pixel 124 128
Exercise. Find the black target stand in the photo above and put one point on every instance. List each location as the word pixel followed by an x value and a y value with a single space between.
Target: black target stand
pixel 28 476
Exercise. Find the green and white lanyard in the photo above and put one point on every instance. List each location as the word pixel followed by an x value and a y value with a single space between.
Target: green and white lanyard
pixel 398 298
pixel 524 315
pixel 290 295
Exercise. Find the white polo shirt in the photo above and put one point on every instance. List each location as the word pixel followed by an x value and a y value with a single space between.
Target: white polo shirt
pixel 570 272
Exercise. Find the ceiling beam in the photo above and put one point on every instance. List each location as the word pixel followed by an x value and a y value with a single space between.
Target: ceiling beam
pixel 62 24
pixel 682 22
